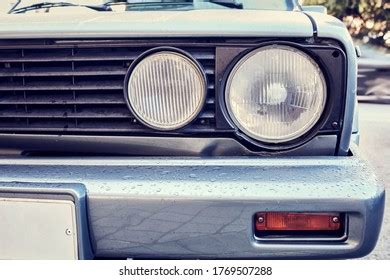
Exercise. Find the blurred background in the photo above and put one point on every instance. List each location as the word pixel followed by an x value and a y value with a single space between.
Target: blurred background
pixel 367 20
pixel 368 24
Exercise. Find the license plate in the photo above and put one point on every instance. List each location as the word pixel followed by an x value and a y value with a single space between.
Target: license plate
pixel 37 229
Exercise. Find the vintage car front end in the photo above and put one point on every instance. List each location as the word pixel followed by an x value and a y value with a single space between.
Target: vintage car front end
pixel 172 134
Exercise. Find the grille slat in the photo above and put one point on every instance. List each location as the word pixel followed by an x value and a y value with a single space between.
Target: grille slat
pixel 113 72
pixel 50 100
pixel 67 56
pixel 71 101
pixel 78 88
pixel 58 87
pixel 84 114
pixel 47 58
pixel 66 86
pixel 65 113
pixel 80 129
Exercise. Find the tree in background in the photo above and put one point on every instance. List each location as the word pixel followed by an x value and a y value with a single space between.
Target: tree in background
pixel 366 20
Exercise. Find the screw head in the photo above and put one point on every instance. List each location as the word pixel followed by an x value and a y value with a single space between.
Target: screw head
pixel 260 219
pixel 335 124
pixel 336 220
pixel 68 232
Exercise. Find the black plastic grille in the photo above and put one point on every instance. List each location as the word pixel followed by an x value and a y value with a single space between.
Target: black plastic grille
pixel 77 87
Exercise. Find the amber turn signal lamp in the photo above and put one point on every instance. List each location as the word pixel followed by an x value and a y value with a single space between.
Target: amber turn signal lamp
pixel 285 221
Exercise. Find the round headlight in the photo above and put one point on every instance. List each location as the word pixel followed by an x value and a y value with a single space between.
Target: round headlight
pixel 276 94
pixel 166 90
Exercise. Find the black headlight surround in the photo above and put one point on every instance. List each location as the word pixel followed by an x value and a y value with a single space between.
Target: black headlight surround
pixel 332 62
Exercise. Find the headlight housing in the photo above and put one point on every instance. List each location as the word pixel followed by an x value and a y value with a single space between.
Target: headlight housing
pixel 276 94
pixel 166 90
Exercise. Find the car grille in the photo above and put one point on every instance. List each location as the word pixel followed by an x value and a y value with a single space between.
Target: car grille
pixel 76 87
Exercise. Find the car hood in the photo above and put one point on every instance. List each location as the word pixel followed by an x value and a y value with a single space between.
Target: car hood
pixel 216 23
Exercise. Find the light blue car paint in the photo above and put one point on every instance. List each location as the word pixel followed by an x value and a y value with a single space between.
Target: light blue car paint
pixel 203 207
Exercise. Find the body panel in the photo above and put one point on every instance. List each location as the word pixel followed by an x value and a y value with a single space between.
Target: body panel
pixel 203 208
pixel 237 23
pixel 330 27
pixel 177 207
pixel 157 24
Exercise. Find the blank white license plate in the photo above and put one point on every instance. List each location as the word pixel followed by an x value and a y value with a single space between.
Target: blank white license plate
pixel 37 229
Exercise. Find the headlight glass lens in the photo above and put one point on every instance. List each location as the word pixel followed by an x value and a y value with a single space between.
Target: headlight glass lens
pixel 276 94
pixel 166 90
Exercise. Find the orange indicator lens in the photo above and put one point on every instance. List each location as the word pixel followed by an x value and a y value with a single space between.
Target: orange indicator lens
pixel 284 221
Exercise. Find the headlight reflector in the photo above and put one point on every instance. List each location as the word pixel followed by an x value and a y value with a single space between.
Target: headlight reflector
pixel 166 90
pixel 276 94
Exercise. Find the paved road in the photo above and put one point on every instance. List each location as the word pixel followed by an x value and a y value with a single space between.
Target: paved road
pixel 375 145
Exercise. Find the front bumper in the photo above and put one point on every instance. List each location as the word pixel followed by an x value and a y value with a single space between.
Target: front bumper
pixel 203 208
